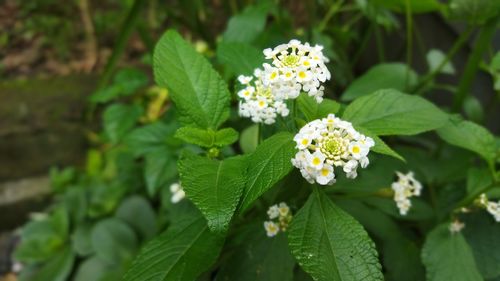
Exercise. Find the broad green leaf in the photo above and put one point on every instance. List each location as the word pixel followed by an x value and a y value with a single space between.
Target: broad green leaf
pixel 330 245
pixel 269 163
pixel 259 258
pixel 183 252
pixel 447 256
pixel 75 202
pixel 381 76
pixel 247 25
pixel 119 119
pixel 58 268
pixel 477 181
pixel 138 213
pixel 81 241
pixel 482 233
pixel 113 241
pixel 394 244
pixel 215 187
pixel 470 136
pixel 312 110
pixel 415 6
pixel 249 139
pixel 126 82
pixel 380 146
pixel 241 58
pixel 434 58
pixel 474 11
pixel 94 269
pixel 198 91
pixel 160 169
pixel 226 136
pixel 151 137
pixel 390 112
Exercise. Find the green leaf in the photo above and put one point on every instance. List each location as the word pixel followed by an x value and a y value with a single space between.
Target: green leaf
pixel 113 241
pixel 241 58
pixel 447 256
pixel 381 76
pixel 215 187
pixel 380 146
pixel 200 94
pixel 226 136
pixel 200 137
pixel 57 268
pixel 475 12
pixel 151 137
pixel 416 6
pixel 247 25
pixel 259 258
pixel 81 240
pixel 312 110
pixel 482 233
pixel 389 112
pixel 160 169
pixel 269 163
pixel 126 82
pixel 249 139
pixel 330 245
pixel 119 119
pixel 435 57
pixel 470 136
pixel 183 252
pixel 138 213
pixel 94 269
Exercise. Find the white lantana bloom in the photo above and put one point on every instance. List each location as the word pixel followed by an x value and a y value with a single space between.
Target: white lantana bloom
pixel 177 193
pixel 328 143
pixel 295 67
pixel 280 217
pixel 492 207
pixel 258 102
pixel 404 188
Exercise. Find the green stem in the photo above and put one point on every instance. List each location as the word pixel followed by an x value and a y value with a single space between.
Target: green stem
pixel 484 39
pixel 364 43
pixel 331 11
pixel 451 53
pixel 380 44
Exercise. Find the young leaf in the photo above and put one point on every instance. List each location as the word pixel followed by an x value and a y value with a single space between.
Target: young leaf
pixel 215 187
pixel 197 90
pixel 269 163
pixel 447 256
pixel 94 268
pixel 119 119
pixel 389 112
pixel 312 110
pixel 259 258
pixel 151 137
pixel 58 268
pixel 241 58
pixel 330 245
pixel 183 252
pixel 200 137
pixel 381 76
pixel 226 136
pixel 470 136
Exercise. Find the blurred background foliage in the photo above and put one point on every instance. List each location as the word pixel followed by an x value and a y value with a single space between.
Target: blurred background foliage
pixel 78 96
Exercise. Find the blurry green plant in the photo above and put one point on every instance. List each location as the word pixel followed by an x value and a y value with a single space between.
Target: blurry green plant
pixel 117 217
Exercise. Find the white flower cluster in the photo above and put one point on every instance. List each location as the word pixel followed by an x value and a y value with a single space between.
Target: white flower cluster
pixel 456 226
pixel 177 193
pixel 405 187
pixel 492 207
pixel 258 102
pixel 295 67
pixel 282 214
pixel 327 143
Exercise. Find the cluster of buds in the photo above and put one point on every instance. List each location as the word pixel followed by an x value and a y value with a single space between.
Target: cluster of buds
pixel 177 193
pixel 404 188
pixel 492 207
pixel 280 217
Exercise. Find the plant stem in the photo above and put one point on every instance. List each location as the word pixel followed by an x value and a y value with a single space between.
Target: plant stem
pixel 331 11
pixel 409 41
pixel 380 44
pixel 451 53
pixel 484 39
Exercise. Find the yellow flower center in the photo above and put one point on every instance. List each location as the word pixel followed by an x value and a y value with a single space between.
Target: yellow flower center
pixel 316 161
pixel 325 172
pixel 302 74
pixel 355 149
pixel 262 103
pixel 305 141
pixel 273 75
pixel 290 60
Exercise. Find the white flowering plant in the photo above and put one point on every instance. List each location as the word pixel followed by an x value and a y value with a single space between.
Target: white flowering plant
pixel 293 164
